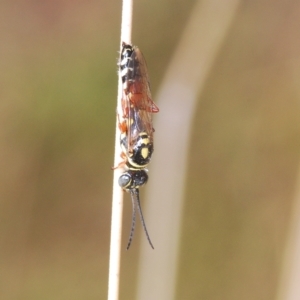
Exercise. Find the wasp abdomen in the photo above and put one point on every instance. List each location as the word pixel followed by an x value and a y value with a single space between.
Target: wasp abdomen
pixel 129 65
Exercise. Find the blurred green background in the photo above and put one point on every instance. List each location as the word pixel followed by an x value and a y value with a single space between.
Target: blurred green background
pixel 58 96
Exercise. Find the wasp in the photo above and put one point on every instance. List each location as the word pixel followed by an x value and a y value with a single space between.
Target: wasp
pixel 136 128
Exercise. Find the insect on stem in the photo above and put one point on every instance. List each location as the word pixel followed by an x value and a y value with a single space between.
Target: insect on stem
pixel 136 138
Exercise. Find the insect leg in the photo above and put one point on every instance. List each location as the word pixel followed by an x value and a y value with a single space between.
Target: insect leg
pixel 122 163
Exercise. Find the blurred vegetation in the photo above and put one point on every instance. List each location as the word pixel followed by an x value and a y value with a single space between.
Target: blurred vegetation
pixel 58 95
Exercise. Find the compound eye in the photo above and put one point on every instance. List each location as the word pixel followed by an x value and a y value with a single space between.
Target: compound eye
pixel 125 180
pixel 140 178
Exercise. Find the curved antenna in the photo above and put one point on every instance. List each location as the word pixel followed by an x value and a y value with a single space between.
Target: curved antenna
pixel 132 221
pixel 135 196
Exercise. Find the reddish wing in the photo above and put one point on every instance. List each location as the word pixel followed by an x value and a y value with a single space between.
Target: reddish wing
pixel 140 121
pixel 139 86
pixel 137 104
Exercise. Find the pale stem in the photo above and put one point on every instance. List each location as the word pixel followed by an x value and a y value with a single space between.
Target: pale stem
pixel 117 197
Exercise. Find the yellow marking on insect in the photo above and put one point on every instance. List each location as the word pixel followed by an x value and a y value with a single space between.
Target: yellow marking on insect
pixel 146 140
pixel 144 137
pixel 145 153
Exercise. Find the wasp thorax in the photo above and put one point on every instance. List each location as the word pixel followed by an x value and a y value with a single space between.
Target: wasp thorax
pixel 141 153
